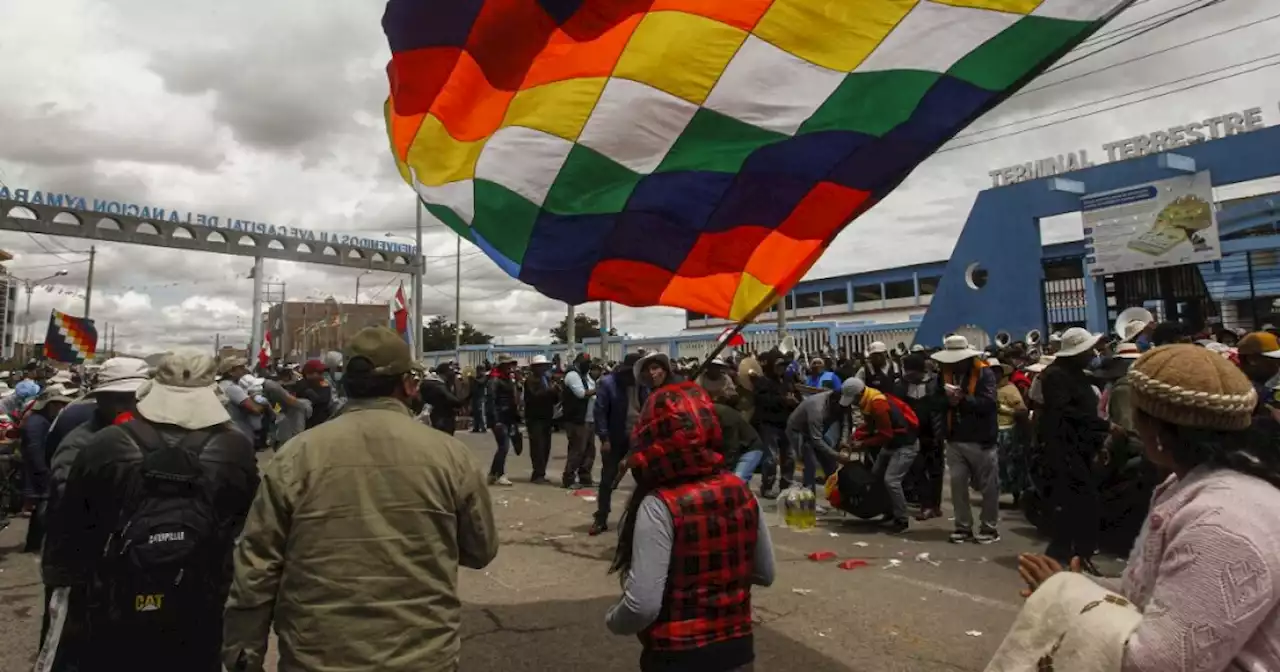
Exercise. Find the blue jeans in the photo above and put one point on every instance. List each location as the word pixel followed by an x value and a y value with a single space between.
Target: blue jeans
pixel 747 464
pixel 499 465
pixel 777 454
pixel 894 463
pixel 813 457
pixel 477 417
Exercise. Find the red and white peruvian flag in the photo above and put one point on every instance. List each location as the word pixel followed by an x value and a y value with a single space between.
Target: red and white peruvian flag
pixel 264 353
pixel 400 311
pixel 730 339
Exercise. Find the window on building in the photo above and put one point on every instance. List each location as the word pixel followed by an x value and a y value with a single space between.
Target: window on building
pixel 929 285
pixel 1063 269
pixel 791 301
pixel 863 293
pixel 902 289
pixel 808 299
pixel 835 297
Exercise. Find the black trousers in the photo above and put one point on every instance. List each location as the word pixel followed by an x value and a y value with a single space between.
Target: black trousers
pixel 927 473
pixel 609 463
pixel 1077 513
pixel 539 446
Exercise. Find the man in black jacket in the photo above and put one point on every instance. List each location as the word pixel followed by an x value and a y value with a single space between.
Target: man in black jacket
pixel 919 389
pixel 1071 434
pixel 540 397
pixel 112 400
pixel 440 392
pixel 503 415
pixel 967 424
pixel 183 421
pixel 774 402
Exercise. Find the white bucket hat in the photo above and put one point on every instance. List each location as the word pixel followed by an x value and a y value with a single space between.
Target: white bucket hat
pixel 121 374
pixel 877 347
pixel 1077 340
pixel 955 348
pixel 182 392
pixel 539 359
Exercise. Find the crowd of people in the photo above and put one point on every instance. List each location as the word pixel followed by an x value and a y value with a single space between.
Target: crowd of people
pixel 159 531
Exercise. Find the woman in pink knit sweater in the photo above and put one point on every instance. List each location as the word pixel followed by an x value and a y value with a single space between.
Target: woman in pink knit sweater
pixel 1205 570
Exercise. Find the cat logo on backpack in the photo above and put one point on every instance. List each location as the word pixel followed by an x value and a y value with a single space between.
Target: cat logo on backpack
pixel 148 602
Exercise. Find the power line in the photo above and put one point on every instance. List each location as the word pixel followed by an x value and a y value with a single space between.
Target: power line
pixel 1115 97
pixel 1166 50
pixel 1136 35
pixel 1108 109
pixel 1107 35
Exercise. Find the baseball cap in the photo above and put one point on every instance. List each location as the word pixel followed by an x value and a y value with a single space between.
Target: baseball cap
pixel 384 349
pixel 314 366
pixel 1259 343
pixel 851 391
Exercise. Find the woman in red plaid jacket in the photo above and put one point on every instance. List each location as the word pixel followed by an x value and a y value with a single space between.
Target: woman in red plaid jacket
pixel 686 597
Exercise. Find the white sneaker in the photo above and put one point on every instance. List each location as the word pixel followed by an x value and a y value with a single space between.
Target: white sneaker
pixel 501 480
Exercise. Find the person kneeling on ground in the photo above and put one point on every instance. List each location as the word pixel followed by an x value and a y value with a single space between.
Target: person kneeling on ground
pixel 692 543
pixel 888 430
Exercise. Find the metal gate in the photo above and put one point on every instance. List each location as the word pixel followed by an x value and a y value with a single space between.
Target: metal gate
pixel 1174 293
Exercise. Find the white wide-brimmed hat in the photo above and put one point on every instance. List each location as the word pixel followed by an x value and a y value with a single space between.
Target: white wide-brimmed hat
pixel 1128 351
pixel 182 392
pixel 995 363
pixel 121 374
pixel 639 368
pixel 539 359
pixel 877 347
pixel 955 348
pixel 1077 340
pixel 1042 364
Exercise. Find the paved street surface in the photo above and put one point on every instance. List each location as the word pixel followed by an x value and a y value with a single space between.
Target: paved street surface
pixel 540 605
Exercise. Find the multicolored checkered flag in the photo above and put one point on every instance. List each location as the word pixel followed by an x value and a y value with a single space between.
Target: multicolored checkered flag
pixel 70 339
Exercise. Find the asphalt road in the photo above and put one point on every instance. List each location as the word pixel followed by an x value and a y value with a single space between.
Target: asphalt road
pixel 540 604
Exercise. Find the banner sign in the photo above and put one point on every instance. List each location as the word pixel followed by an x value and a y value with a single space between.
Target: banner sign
pixel 108 207
pixel 1164 223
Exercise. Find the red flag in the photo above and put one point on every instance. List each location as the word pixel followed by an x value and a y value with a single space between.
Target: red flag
pixel 734 340
pixel 264 353
pixel 400 311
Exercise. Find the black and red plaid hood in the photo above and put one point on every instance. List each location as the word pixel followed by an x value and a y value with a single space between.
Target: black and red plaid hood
pixel 677 437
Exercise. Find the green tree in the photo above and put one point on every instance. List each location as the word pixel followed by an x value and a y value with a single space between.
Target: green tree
pixel 583 327
pixel 439 333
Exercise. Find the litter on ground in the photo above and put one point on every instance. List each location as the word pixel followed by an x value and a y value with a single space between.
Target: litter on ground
pixel 974 633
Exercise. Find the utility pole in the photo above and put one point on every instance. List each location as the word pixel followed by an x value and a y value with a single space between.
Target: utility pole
pixel 88 290
pixel 781 310
pixel 604 331
pixel 217 345
pixel 113 340
pixel 419 271
pixel 457 304
pixel 274 295
pixel 255 329
pixel 571 331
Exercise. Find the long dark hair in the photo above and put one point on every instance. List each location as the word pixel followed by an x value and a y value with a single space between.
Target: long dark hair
pixel 627 531
pixel 1254 451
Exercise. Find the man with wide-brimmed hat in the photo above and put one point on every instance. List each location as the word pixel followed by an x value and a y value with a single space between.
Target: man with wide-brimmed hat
pixel 375 496
pixel 504 415
pixel 968 426
pixel 110 402
pixel 176 479
pixel 1071 434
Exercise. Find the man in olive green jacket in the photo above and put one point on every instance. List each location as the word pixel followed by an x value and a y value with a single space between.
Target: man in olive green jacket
pixel 351 548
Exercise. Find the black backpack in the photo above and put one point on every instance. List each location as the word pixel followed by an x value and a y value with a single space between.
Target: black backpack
pixel 157 578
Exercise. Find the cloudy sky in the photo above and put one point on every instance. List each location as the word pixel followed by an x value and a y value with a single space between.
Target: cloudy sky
pixel 271 111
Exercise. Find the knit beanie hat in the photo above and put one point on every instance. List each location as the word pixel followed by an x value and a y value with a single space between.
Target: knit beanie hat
pixel 1190 386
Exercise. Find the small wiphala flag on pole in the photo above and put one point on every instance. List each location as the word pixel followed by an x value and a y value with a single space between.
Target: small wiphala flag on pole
pixel 70 339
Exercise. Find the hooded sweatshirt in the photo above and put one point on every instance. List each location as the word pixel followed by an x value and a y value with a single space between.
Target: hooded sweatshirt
pixel 679 573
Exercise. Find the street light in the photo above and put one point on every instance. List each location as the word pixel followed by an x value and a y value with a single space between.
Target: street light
pixel 367 272
pixel 26 330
